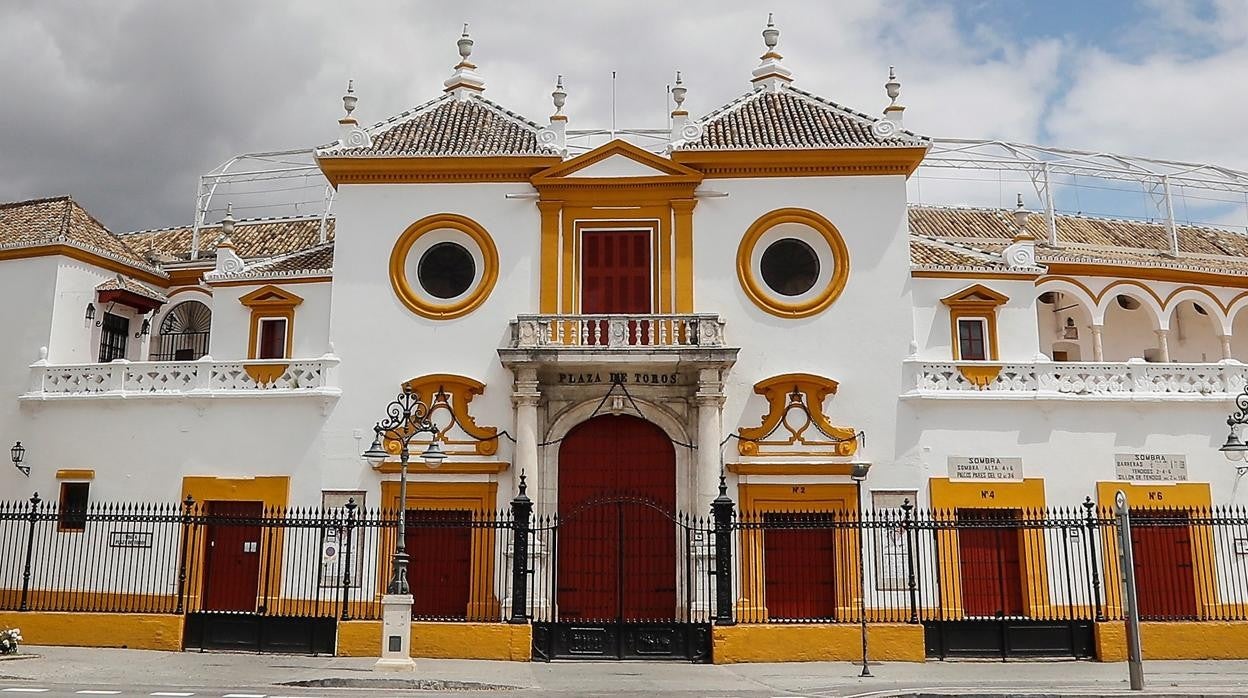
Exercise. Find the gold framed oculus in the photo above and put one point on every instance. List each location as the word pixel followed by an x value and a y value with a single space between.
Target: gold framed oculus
pixel 792 263
pixel 443 266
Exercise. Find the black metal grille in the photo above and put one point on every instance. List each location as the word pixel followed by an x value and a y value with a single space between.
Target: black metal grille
pixel 180 346
pixel 114 336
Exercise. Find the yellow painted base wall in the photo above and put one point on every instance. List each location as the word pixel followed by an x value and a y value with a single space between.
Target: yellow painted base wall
pixel 887 642
pixel 132 630
pixel 1203 640
pixel 502 641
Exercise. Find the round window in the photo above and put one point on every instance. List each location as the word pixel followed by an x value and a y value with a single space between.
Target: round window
pixel 789 267
pixel 446 270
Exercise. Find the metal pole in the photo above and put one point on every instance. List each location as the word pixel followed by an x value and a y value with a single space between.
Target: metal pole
pixel 398 580
pixel 721 511
pixel 1131 614
pixel 862 579
pixel 521 509
pixel 186 534
pixel 911 584
pixel 1090 507
pixel 30 546
pixel 345 542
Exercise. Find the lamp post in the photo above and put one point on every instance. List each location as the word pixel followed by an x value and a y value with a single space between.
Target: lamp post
pixel 406 418
pixel 858 473
pixel 1234 449
pixel 18 453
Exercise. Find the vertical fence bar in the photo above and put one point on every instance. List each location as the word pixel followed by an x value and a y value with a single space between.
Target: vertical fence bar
pixel 721 509
pixel 1094 568
pixel 912 587
pixel 30 546
pixel 521 510
pixel 346 560
pixel 186 528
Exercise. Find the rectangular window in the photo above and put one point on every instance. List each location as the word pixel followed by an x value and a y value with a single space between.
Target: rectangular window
pixel 114 336
pixel 272 338
pixel 72 514
pixel 971 339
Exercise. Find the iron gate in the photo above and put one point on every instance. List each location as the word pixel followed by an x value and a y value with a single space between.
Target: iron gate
pixel 624 578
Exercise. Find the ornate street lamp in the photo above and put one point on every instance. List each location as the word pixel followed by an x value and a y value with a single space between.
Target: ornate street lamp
pixel 1235 448
pixel 406 418
pixel 18 452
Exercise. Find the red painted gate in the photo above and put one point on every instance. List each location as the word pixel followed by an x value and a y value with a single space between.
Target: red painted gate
pixel 1162 546
pixel 439 548
pixel 799 567
pixel 232 569
pixel 988 553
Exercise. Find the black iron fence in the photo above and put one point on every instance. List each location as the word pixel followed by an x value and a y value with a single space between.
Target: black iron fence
pixel 624 560
pixel 179 346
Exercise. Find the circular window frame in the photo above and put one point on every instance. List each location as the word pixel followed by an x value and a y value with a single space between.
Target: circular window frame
pixel 422 303
pixel 817 299
pixel 804 248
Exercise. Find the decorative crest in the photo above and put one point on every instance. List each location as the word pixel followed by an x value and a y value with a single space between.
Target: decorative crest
pixel 464 81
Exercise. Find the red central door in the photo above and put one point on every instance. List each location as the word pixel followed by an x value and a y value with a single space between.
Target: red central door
pixel 439 548
pixel 615 279
pixel 991 570
pixel 1161 543
pixel 232 570
pixel 799 567
pixel 617 537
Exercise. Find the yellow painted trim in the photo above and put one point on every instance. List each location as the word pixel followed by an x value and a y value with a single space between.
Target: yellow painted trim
pixel 85 257
pixel 971 274
pixel 682 210
pixel 549 300
pixel 295 280
pixel 669 170
pixel 478 497
pixel 578 220
pixel 82 474
pixel 980 376
pixel 759 499
pixel 804 468
pixel 887 642
pixel 273 491
pixel 770 302
pixel 948 496
pixel 450 467
pixel 495 641
pixel 1182 276
pixel 136 631
pixel 1185 640
pixel 974 302
pixel 179 291
pixel 719 164
pixel 781 392
pixel 407 170
pixel 663 279
pixel 270 302
pixel 398 266
pixel 263 374
pixel 446 392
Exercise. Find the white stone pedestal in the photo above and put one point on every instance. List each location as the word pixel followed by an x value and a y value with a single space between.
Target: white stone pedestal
pixel 396 634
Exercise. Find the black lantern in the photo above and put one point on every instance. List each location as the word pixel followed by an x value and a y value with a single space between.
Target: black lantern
pixel 18 452
pixel 1235 448
pixel 90 312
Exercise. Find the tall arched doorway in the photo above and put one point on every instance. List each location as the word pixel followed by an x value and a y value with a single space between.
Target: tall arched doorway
pixel 618 570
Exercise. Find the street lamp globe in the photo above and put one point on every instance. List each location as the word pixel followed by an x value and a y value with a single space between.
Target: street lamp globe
pixel 376 454
pixel 433 455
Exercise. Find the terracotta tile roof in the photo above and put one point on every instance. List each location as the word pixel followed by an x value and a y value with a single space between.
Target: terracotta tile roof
pixel 316 259
pixel 792 118
pixel 930 253
pixel 125 283
pixel 448 126
pixel 61 220
pixel 1089 240
pixel 253 239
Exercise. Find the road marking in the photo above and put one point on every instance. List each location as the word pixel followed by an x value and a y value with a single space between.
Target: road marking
pixel 97 692
pixel 26 690
pixel 243 695
pixel 171 694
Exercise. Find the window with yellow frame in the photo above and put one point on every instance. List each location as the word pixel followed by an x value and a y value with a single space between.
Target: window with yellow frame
pixel 973 323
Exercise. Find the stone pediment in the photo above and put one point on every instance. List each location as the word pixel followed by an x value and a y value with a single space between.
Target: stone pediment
pixel 617 161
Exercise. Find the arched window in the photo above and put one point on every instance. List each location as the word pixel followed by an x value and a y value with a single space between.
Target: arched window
pixel 183 334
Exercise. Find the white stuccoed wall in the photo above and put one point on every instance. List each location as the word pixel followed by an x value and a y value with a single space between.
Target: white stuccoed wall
pixel 231 320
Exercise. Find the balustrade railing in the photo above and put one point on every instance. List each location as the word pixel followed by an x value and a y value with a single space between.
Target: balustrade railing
pixel 1048 379
pixel 190 378
pixel 637 331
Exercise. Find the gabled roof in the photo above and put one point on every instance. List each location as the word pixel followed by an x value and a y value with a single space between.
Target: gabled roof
pixel 125 283
pixel 253 239
pixel 449 126
pixel 314 261
pixel 790 118
pixel 61 220
pixel 648 166
pixel 932 254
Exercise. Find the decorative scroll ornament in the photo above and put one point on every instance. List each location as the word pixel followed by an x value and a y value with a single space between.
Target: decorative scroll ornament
pixel 356 138
pixel 884 129
pixel 795 424
pixel 448 397
pixel 691 131
pixel 547 136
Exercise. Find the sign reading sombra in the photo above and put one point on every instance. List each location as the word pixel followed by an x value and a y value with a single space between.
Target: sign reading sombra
pixel 985 468
pixel 1154 467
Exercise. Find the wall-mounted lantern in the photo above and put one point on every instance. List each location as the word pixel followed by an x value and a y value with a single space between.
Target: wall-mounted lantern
pixel 18 453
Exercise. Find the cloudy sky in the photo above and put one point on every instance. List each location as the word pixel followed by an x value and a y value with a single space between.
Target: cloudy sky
pixel 123 103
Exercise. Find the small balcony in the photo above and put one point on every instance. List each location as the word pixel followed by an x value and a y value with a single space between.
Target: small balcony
pixel 640 339
pixel 203 378
pixel 1048 380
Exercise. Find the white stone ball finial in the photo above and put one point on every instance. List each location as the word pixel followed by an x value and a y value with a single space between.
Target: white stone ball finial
pixel 679 91
pixel 771 35
pixel 892 87
pixel 349 99
pixel 464 44
pixel 227 223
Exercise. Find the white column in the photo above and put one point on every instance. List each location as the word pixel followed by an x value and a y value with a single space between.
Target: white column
pixel 525 397
pixel 1226 346
pixel 1163 345
pixel 710 400
pixel 1098 349
pixel 396 633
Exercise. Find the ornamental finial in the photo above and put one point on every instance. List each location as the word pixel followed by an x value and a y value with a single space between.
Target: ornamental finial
pixel 771 35
pixel 349 99
pixel 892 88
pixel 771 73
pixel 465 81
pixel 678 92
pixel 464 44
pixel 560 98
pixel 227 223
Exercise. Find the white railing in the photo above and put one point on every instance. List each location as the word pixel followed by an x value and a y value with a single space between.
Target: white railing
pixel 202 378
pixel 640 331
pixel 1131 380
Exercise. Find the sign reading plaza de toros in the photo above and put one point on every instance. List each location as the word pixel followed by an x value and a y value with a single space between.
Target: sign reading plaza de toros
pixel 985 468
pixel 630 377
pixel 1155 467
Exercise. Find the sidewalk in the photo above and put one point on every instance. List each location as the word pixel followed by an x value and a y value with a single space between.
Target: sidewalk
pixel 65 666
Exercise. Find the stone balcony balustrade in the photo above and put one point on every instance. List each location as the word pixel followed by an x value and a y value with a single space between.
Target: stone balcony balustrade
pixel 640 331
pixel 1048 380
pixel 204 378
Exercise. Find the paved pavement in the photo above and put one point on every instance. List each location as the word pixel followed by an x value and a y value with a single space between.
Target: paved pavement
pixel 60 672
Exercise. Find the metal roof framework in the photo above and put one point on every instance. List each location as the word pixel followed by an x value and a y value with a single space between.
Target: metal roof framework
pixel 1042 165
